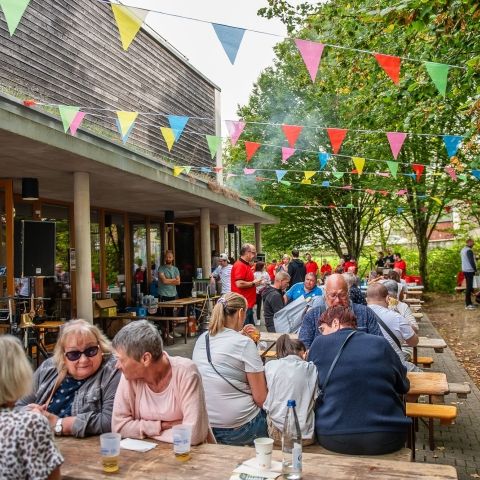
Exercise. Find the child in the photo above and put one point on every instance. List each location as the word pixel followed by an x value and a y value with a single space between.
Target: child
pixel 290 378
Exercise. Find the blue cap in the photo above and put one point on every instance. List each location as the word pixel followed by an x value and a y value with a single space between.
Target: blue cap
pixel 291 403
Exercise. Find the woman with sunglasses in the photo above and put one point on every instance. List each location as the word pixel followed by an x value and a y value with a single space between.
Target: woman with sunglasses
pixel 75 388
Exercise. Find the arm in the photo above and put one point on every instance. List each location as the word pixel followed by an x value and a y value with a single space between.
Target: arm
pixel 372 323
pixel 309 327
pixel 413 340
pixel 244 284
pixel 471 259
pixel 258 384
pixel 169 281
pixel 277 303
pixel 55 475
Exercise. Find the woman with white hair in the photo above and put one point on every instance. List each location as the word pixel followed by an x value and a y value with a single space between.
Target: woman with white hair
pixel 28 449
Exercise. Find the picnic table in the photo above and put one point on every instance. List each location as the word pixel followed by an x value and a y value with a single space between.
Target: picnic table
pixel 433 384
pixel 83 461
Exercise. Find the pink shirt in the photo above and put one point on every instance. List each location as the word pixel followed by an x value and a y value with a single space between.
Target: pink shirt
pixel 138 411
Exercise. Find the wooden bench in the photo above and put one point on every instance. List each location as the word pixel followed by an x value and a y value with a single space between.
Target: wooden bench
pixel 425 362
pixel 268 354
pixel 402 455
pixel 461 389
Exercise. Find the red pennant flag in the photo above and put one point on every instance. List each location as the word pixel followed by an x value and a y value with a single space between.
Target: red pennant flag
pixel 218 169
pixel 251 148
pixel 383 192
pixel 29 102
pixel 370 191
pixel 418 169
pixel 291 132
pixel 391 65
pixel 336 136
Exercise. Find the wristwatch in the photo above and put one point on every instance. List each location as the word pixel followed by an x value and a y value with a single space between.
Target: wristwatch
pixel 58 427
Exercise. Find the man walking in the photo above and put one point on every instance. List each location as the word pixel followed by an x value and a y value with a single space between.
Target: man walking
pixel 469 267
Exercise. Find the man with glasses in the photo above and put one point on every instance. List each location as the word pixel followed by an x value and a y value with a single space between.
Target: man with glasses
pixel 223 273
pixel 336 293
pixel 242 279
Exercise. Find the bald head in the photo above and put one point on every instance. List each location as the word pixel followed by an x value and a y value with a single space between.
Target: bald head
pixel 336 291
pixel 377 294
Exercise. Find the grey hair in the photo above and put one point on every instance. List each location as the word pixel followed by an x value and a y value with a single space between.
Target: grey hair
pixel 137 338
pixel 392 287
pixel 351 279
pixel 282 276
pixel 311 274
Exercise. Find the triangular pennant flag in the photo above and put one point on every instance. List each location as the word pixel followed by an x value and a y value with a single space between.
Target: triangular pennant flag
pixel 475 173
pixel 359 163
pixel 437 200
pixel 383 174
pixel 350 205
pixel 287 152
pixel 325 183
pixel 235 129
pixel 376 210
pixel 177 171
pixel 306 181
pixel 76 122
pixel 251 148
pixel 127 134
pixel 67 114
pixel 205 170
pixel 418 169
pixel 285 182
pixel 336 136
pixel 391 66
pixel 292 132
pixel 217 169
pixel 125 123
pixel 311 53
pixel 187 169
pixel 338 174
pixel 129 21
pixel 396 139
pixel 451 172
pixel 399 210
pixel 370 191
pixel 169 136
pixel 264 206
pixel 309 174
pixel 249 171
pixel 13 11
pixel 230 38
pixel 323 157
pixel 439 74
pixel 452 142
pixel 393 167
pixel 347 187
pixel 401 192
pixel 463 177
pixel 177 124
pixel 280 174
pixel 213 143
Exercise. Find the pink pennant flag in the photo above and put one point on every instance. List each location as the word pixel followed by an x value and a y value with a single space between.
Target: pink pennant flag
pixel 383 174
pixel 287 152
pixel 230 175
pixel 451 172
pixel 235 129
pixel 251 148
pixel 336 136
pixel 218 169
pixel 292 132
pixel 401 192
pixel 347 187
pixel 396 139
pixel 418 169
pixel 311 53
pixel 370 191
pixel 76 122
pixel 249 171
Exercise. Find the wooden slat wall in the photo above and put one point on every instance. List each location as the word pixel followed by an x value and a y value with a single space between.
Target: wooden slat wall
pixel 69 52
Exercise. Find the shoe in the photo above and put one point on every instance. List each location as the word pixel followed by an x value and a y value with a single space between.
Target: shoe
pixel 177 335
pixel 470 307
pixel 170 336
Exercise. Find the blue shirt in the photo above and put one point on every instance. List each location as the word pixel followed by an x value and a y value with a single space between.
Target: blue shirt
pixel 298 290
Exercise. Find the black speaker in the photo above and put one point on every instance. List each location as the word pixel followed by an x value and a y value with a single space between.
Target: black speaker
pixel 169 216
pixel 34 254
pixel 108 220
pixel 231 228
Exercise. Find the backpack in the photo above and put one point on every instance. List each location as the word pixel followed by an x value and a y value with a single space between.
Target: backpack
pixel 289 319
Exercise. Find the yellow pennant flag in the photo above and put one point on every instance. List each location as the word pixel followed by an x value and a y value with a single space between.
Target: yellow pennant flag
pixel 169 136
pixel 264 206
pixel 129 21
pixel 309 174
pixel 359 163
pixel 376 210
pixel 436 199
pixel 306 181
pixel 177 171
pixel 125 122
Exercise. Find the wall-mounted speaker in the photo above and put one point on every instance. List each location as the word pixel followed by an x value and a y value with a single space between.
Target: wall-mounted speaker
pixel 231 228
pixel 169 216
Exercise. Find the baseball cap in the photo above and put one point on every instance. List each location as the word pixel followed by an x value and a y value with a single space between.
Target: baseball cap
pixel 223 256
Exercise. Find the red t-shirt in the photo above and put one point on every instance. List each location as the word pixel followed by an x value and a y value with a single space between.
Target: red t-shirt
pixel 348 265
pixel 271 271
pixel 311 267
pixel 326 268
pixel 241 270
pixel 401 264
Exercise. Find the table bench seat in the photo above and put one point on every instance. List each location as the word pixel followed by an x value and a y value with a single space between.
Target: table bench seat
pixel 425 362
pixel 170 330
pixel 461 389
pixel 402 455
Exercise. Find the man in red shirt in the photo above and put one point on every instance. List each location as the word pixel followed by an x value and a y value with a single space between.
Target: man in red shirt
pixel 400 264
pixel 310 265
pixel 271 270
pixel 242 279
pixel 326 269
pixel 350 263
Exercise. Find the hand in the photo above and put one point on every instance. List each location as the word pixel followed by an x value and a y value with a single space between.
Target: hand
pixel 166 425
pixel 247 330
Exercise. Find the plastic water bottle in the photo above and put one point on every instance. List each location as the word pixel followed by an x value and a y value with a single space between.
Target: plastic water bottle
pixel 291 444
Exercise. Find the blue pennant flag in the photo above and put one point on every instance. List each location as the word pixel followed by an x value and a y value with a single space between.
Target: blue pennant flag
pixel 476 174
pixel 177 124
pixel 323 158
pixel 452 142
pixel 230 38
pixel 280 174
pixel 325 183
pixel 399 210
pixel 205 170
pixel 421 197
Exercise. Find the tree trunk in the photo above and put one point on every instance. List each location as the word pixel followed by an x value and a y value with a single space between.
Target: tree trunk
pixel 422 244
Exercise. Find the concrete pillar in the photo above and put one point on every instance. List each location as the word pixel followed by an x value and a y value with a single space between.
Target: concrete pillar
pixel 218 132
pixel 205 245
pixel 81 205
pixel 258 237
pixel 221 239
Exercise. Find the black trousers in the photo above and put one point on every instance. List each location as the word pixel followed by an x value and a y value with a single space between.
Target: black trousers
pixel 259 305
pixel 469 287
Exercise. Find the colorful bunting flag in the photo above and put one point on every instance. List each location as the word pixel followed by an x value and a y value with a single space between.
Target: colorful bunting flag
pixel 287 152
pixel 391 66
pixel 475 173
pixel 285 182
pixel 291 133
pixel 125 123
pixel 311 53
pixel 393 167
pixel 177 171
pixel 187 169
pixel 338 174
pixel 218 169
pixel 347 187
pixel 376 210
pixel 67 114
pixel 399 210
pixel 309 174
pixel 418 169
pixel 323 157
pixel 336 136
pixel 235 129
pixel 169 136
pixel 359 163
pixel 325 183
pixel 129 21
pixel 439 74
pixel 230 38
pixel 463 177
pixel 396 139
pixel 205 170
pixel 13 11
pixel 76 122
pixel 451 172
pixel 249 171
pixel 452 142
pixel 213 143
pixel 383 174
pixel 177 124
pixel 264 206
pixel 280 174
pixel 230 175
pixel 401 192
pixel 436 200
pixel 251 148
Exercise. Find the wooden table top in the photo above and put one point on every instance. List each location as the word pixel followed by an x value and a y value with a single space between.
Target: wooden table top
pixel 83 461
pixel 437 343
pixel 182 302
pixel 273 337
pixel 427 383
pixel 47 324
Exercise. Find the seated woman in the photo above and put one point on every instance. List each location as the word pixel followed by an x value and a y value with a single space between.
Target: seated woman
pixel 233 374
pixel 290 378
pixel 75 388
pixel 156 391
pixel 28 449
pixel 362 412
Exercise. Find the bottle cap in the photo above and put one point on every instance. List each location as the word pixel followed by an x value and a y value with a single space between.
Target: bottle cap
pixel 291 403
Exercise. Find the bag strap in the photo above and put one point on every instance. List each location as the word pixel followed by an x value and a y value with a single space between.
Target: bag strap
pixel 209 358
pixel 389 332
pixel 335 360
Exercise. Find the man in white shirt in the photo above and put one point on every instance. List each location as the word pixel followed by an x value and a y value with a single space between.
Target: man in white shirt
pixel 223 273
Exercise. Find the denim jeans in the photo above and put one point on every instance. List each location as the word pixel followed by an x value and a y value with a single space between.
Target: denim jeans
pixel 249 317
pixel 245 434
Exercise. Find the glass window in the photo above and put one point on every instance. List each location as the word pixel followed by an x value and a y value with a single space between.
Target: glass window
pixel 95 248
pixel 3 245
pixel 115 254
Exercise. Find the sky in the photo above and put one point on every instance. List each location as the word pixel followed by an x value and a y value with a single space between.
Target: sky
pixel 198 42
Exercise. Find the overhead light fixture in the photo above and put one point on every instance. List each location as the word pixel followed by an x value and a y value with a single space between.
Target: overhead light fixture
pixel 30 188
pixel 169 216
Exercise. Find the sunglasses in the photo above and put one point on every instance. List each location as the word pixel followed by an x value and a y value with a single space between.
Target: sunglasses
pixel 76 354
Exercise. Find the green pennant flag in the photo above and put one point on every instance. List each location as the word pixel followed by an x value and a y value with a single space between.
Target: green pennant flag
pixel 285 182
pixel 439 74
pixel 393 167
pixel 213 143
pixel 13 11
pixel 462 177
pixel 67 113
pixel 338 174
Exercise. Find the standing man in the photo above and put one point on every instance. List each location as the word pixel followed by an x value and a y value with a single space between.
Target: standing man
pixel 399 263
pixel 223 273
pixel 311 266
pixel 326 269
pixel 273 299
pixel 168 279
pixel 296 268
pixel 242 280
pixel 271 269
pixel 469 267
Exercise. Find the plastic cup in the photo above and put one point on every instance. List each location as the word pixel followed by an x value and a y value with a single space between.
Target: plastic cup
pixel 263 450
pixel 182 435
pixel 110 450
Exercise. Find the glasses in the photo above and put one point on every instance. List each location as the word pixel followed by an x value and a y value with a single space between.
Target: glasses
pixel 340 295
pixel 75 355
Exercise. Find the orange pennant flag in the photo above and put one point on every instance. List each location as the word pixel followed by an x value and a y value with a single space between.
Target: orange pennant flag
pixel 418 169
pixel 251 148
pixel 292 132
pixel 336 136
pixel 391 66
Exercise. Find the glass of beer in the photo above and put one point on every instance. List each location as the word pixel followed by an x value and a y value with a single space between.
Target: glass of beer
pixel 110 450
pixel 182 435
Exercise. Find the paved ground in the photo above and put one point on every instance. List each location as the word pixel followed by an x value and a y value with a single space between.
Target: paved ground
pixel 457 445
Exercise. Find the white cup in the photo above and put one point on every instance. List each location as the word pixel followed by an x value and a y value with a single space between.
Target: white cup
pixel 110 451
pixel 182 435
pixel 263 449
